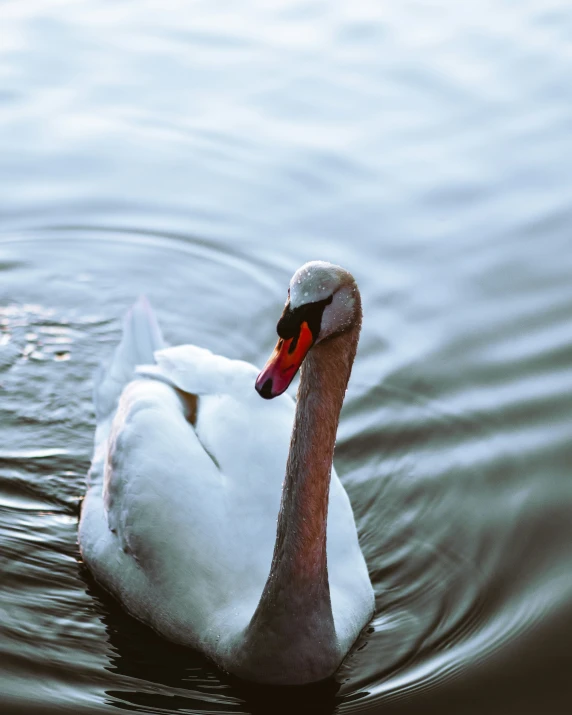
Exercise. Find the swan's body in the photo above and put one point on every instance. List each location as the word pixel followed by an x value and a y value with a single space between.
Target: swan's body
pixel 180 518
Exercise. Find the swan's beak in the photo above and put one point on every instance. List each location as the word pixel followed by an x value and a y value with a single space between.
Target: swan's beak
pixel 284 363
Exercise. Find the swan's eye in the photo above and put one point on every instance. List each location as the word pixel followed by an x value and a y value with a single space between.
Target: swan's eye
pixel 292 318
pixel 289 323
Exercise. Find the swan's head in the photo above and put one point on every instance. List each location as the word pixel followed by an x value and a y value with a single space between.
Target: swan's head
pixel 323 302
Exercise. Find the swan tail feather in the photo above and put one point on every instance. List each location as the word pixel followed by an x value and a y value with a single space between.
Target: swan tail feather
pixel 141 338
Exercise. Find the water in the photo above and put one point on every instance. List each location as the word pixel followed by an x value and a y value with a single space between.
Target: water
pixel 199 153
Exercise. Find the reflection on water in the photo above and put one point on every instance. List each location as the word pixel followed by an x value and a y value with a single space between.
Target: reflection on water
pixel 200 157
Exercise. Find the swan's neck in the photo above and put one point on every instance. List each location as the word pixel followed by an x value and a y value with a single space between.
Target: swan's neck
pixel 293 621
pixel 300 553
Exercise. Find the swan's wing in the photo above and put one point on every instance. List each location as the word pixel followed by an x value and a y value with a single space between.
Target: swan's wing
pixel 156 471
pixel 156 534
pixel 200 372
pixel 140 339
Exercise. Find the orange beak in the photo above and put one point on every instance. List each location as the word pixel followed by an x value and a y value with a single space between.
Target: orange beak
pixel 284 363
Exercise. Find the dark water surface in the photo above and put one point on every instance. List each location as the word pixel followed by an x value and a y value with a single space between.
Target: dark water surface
pixel 200 152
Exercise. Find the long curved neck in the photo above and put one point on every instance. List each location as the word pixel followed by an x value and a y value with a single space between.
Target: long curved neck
pixel 300 551
pixel 294 613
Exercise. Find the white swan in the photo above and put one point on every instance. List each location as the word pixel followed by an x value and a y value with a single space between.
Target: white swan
pixel 188 518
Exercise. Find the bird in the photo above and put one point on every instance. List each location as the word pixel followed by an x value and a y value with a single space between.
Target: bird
pixel 216 517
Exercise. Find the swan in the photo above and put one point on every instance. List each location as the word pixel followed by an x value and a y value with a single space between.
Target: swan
pixel 216 517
